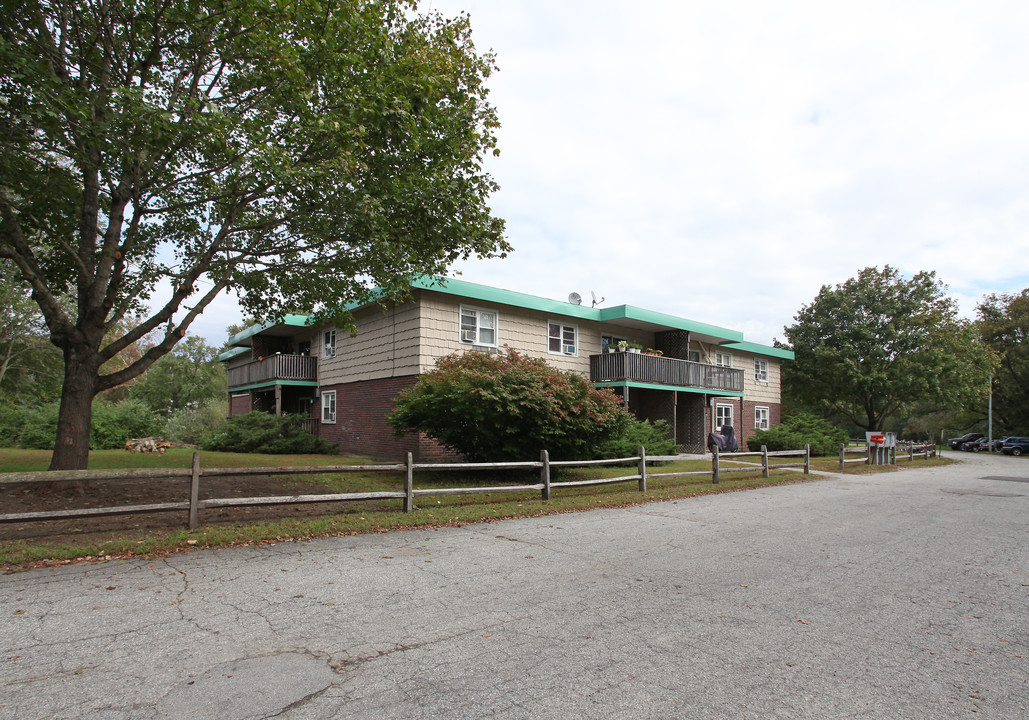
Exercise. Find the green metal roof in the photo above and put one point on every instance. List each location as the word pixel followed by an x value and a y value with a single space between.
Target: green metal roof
pixel 676 388
pixel 627 316
pixel 761 349
pixel 229 354
pixel 288 321
pixel 273 383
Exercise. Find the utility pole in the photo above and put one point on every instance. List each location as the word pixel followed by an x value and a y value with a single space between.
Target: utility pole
pixel 990 425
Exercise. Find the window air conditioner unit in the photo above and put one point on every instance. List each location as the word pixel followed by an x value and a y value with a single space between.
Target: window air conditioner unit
pixel 569 349
pixel 468 336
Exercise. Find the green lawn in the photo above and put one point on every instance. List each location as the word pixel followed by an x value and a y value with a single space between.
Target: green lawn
pixel 382 515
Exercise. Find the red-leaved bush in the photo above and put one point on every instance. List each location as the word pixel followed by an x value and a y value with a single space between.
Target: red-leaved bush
pixel 509 407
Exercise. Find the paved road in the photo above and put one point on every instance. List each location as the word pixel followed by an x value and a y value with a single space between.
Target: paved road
pixel 892 596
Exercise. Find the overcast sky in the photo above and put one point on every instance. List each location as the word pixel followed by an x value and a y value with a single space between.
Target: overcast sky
pixel 721 161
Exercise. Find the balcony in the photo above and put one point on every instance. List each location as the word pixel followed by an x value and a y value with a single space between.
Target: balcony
pixel 641 368
pixel 274 368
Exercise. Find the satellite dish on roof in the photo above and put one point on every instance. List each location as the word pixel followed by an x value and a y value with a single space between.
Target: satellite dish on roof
pixel 575 298
pixel 595 301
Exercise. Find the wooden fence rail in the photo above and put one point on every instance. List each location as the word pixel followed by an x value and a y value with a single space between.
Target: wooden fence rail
pixel 194 505
pixel 845 450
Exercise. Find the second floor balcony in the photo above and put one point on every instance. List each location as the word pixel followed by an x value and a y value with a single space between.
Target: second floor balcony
pixel 272 368
pixel 642 368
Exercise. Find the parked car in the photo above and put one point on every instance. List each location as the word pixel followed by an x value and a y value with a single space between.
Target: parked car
pixel 1015 446
pixel 983 444
pixel 956 443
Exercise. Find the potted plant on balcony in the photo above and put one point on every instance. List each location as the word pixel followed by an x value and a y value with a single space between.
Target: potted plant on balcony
pixel 652 351
pixel 635 347
pixel 622 345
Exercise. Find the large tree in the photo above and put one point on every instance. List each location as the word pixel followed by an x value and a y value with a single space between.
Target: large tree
pixel 154 153
pixel 879 343
pixel 1004 325
pixel 183 379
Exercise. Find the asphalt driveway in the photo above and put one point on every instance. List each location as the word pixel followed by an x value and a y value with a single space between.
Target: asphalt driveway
pixel 902 595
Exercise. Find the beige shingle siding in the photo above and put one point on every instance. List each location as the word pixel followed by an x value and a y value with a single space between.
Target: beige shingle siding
pixel 241 359
pixel 752 389
pixel 411 338
pixel 386 345
pixel 521 329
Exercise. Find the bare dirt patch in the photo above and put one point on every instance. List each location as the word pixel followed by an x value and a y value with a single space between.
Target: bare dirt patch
pixel 38 497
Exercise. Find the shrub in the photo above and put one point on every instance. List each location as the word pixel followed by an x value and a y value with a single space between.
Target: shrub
pixel 796 432
pixel 192 425
pixel 40 430
pixel 654 436
pixel 264 433
pixel 115 423
pixel 508 407
pixel 13 419
pixel 112 425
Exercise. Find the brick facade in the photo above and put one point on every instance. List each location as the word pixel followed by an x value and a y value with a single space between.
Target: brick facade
pixel 361 427
pixel 744 424
pixel 239 404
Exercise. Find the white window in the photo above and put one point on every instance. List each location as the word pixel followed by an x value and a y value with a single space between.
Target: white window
pixel 761 418
pixel 609 343
pixel 328 406
pixel 562 339
pixel 478 327
pixel 329 344
pixel 723 416
pixel 723 359
pixel 760 370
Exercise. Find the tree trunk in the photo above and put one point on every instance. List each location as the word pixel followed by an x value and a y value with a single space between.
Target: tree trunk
pixel 71 451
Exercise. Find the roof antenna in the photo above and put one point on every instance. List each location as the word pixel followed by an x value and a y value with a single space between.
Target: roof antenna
pixel 595 301
pixel 575 298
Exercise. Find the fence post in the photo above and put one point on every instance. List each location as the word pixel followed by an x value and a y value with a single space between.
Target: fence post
pixel 194 493
pixel 643 469
pixel 764 461
pixel 843 454
pixel 409 485
pixel 807 459
pixel 545 473
pixel 714 464
pixel 911 452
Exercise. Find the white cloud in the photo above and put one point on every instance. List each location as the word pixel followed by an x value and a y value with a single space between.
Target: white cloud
pixel 722 161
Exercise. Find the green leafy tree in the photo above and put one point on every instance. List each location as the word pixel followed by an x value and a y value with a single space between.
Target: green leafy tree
pixel 30 367
pixel 183 379
pixel 1004 326
pixel 508 407
pixel 878 343
pixel 154 154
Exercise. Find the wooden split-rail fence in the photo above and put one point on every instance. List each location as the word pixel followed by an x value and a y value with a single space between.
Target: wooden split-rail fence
pixel 193 505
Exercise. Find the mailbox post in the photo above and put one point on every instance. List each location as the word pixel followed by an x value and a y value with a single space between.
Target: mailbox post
pixel 880 447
